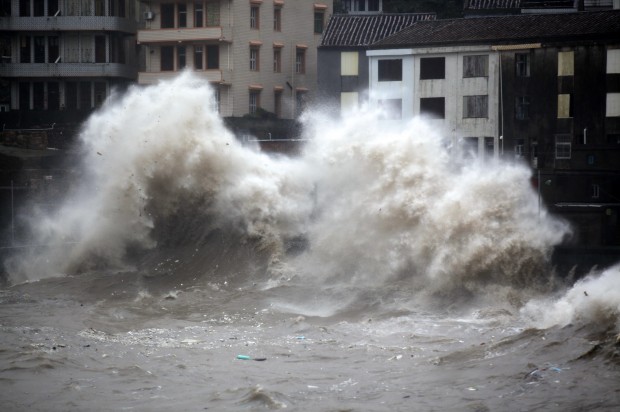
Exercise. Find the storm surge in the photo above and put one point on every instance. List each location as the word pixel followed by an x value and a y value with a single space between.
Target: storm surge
pixel 375 203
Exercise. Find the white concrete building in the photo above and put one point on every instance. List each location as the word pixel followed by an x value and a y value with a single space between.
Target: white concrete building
pixel 455 87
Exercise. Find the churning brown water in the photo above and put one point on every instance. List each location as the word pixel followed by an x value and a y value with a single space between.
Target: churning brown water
pixel 374 272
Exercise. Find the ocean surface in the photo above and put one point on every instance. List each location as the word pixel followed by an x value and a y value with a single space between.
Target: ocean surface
pixel 382 269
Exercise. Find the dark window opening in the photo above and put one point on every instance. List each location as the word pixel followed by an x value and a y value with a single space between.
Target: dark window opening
pixel 181 58
pixel 198 57
pixel 100 49
pixel 52 7
pixel 24 96
pixel 167 16
pixel 85 96
pixel 24 49
pixel 167 58
pixel 53 49
pixel 213 57
pixel 71 95
pixel 522 107
pixel 390 70
pixel 53 96
pixel 182 8
pixel 433 107
pixel 319 18
pixel 38 8
pixel 522 65
pixel 198 14
pixel 100 93
pixel 39 49
pixel 432 68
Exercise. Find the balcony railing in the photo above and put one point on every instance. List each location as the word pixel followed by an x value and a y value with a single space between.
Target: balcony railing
pixel 154 77
pixel 176 35
pixel 68 70
pixel 68 23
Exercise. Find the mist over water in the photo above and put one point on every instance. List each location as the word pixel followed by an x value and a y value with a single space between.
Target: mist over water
pixel 378 270
pixel 376 204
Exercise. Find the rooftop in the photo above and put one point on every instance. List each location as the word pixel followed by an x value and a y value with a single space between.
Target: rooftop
pixel 345 30
pixel 508 29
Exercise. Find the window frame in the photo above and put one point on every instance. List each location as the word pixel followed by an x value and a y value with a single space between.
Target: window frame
pixel 253 101
pixel 563 146
pixel 473 66
pixel 522 64
pixel 254 58
pixel 277 59
pixel 277 19
pixel 522 107
pixel 480 103
pixel 300 60
pixel 319 21
pixel 254 17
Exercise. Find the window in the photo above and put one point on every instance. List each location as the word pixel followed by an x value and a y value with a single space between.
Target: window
pixel 100 93
pixel 469 146
pixel 100 52
pixel 392 108
pixel 433 107
pixel 24 8
pixel 39 49
pixel 52 7
pixel 475 106
pixel 167 15
pixel 612 107
pixel 277 19
pixel 254 17
pixel 277 103
pixel 198 14
pixel 301 101
pixel 563 146
pixel 38 93
pixel 565 106
pixel 522 65
pixel 476 66
pixel 613 61
pixel 24 96
pixel 373 5
pixel 522 107
pixel 596 191
pixel 198 57
pixel 85 101
pixel 53 49
pixel 53 96
pixel 213 57
pixel 348 101
pixel 167 58
pixel 277 59
pixel 349 63
pixel 390 70
pixel 213 13
pixel 71 95
pixel 254 101
pixel 181 58
pixel 432 68
pixel 319 18
pixel 300 61
pixel 566 63
pixel 254 61
pixel 489 146
pixel 24 49
pixel 182 10
pixel 520 148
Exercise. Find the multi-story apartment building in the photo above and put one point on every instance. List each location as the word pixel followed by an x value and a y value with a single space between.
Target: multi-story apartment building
pixel 477 8
pixel 342 61
pixel 61 58
pixel 543 89
pixel 260 55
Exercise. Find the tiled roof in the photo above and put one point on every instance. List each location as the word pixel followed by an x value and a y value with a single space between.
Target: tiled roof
pixel 362 30
pixel 508 29
pixel 516 4
pixel 491 4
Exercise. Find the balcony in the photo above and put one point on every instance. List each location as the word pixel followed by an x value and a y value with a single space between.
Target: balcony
pixel 213 76
pixel 69 23
pixel 22 70
pixel 177 35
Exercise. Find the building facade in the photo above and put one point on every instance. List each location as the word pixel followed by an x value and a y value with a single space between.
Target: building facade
pixel 62 58
pixel 342 62
pixel 260 55
pixel 541 89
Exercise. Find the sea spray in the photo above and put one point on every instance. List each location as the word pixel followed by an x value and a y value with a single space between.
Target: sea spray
pixel 594 299
pixel 376 203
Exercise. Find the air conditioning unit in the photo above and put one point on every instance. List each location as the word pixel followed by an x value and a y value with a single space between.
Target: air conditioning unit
pixel 149 15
